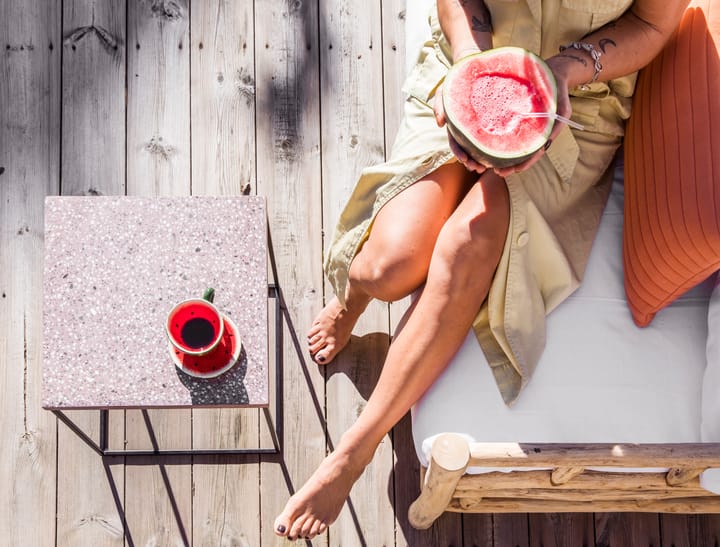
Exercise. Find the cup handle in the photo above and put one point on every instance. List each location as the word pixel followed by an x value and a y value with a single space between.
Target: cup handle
pixel 209 294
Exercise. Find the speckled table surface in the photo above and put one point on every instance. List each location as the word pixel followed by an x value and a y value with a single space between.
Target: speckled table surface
pixel 114 268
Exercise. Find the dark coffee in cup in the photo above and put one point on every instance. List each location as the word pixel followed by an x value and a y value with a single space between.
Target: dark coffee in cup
pixel 198 332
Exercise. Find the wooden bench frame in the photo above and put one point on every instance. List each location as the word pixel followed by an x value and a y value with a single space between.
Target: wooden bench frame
pixel 562 482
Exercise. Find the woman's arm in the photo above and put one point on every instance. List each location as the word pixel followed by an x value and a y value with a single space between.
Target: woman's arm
pixel 466 25
pixel 624 45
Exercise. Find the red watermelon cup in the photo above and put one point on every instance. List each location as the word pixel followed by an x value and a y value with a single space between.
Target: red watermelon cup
pixel 195 327
pixel 487 98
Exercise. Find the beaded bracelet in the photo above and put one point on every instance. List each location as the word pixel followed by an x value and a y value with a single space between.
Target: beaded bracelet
pixel 594 53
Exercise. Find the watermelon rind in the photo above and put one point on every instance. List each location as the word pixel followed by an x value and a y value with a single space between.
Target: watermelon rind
pixel 476 149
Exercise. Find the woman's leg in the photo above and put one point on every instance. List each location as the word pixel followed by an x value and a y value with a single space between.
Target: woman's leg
pixel 394 260
pixel 463 262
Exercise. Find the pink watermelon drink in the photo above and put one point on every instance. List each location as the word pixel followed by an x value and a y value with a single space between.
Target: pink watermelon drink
pixel 486 97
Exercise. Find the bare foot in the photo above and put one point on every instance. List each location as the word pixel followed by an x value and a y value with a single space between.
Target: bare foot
pixel 331 330
pixel 318 503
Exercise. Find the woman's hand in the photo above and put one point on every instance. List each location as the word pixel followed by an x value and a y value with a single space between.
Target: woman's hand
pixel 462 156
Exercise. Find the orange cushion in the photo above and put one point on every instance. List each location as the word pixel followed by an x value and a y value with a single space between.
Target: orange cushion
pixel 671 235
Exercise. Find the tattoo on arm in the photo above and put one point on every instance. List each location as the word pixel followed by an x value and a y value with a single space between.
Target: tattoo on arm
pixel 606 42
pixel 481 25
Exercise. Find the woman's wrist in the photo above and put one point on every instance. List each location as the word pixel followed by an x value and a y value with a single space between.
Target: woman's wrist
pixel 573 72
pixel 459 53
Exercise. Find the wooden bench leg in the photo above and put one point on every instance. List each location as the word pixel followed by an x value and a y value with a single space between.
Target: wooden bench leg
pixel 449 459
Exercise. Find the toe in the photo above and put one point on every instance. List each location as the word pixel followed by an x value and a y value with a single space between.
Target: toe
pixel 317 346
pixel 315 529
pixel 314 330
pixel 321 358
pixel 307 527
pixel 297 528
pixel 281 526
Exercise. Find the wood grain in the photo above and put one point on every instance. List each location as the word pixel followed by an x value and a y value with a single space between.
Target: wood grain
pixel 90 491
pixel 158 130
pixel 93 97
pixel 353 137
pixel 289 175
pixel 690 530
pixel 223 163
pixel 561 529
pixel 158 107
pixel 29 169
pixel 511 530
pixel 638 530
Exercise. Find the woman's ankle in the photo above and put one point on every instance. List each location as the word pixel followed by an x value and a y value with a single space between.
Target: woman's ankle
pixel 358 448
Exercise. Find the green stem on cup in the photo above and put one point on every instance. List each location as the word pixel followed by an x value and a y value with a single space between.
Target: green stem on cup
pixel 209 294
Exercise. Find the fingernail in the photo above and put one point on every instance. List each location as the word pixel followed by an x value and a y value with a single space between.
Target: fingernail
pixel 548 143
pixel 281 528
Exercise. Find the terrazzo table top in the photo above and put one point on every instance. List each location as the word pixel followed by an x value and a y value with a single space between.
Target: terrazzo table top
pixel 115 267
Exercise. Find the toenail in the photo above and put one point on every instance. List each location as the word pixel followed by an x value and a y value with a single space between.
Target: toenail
pixel 321 358
pixel 281 528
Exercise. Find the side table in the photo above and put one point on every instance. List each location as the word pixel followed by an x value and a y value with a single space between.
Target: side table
pixel 114 267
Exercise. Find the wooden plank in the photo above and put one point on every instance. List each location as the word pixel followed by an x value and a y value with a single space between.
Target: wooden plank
pixel 561 529
pixel 681 455
pixel 90 491
pixel 93 113
pixel 29 169
pixel 569 495
pixel 158 129
pixel 678 505
pixel 158 100
pixel 510 530
pixel 636 529
pixel 289 175
pixel 223 98
pixel 690 530
pixel 353 138
pixel 591 481
pixel 393 39
pixel 478 530
pixel 223 163
pixel 158 493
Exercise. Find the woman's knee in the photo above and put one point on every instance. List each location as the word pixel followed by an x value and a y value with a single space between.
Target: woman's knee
pixel 389 274
pixel 475 235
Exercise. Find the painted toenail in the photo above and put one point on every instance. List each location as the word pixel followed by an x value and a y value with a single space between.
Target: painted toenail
pixel 281 528
pixel 321 358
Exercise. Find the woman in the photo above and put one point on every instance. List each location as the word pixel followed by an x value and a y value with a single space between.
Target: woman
pixel 494 250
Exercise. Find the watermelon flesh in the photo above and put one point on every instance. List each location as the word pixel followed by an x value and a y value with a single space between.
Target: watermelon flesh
pixel 485 97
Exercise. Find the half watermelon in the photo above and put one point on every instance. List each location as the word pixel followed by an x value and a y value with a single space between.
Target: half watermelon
pixel 486 97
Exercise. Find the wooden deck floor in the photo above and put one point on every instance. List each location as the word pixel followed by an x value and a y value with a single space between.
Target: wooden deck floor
pixel 287 99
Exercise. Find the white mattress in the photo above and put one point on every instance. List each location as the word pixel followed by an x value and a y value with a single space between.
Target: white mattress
pixel 600 379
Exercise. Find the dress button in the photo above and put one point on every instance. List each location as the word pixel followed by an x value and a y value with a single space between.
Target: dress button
pixel 523 239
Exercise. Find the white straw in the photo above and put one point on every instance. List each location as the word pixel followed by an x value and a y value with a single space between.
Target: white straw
pixel 558 117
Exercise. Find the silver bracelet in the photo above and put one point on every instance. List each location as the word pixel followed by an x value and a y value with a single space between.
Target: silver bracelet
pixel 594 53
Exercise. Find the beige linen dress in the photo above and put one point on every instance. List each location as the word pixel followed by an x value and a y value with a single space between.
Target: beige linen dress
pixel 555 206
